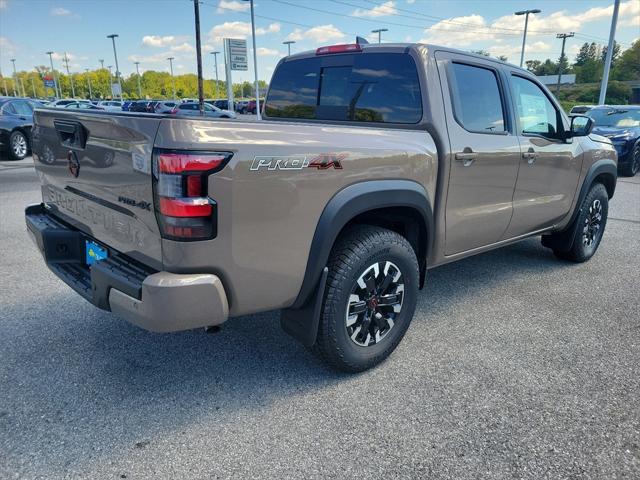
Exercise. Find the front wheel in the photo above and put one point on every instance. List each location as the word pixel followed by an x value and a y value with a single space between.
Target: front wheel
pixel 590 224
pixel 18 145
pixel 632 167
pixel 369 300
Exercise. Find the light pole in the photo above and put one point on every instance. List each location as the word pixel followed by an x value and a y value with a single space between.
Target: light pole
pixel 101 64
pixel 288 44
pixel 55 77
pixel 173 82
pixel 379 32
pixel 73 88
pixel 564 37
pixel 526 23
pixel 89 83
pixel 610 48
pixel 15 78
pixel 255 62
pixel 215 60
pixel 4 84
pixel 115 55
pixel 33 85
pixel 138 73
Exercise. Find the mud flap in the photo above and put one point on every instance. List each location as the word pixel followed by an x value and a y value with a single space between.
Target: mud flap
pixel 302 323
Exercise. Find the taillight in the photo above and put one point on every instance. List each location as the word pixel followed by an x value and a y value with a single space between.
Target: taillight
pixel 348 47
pixel 174 111
pixel 184 207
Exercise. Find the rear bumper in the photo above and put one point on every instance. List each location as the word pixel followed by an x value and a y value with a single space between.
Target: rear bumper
pixel 156 301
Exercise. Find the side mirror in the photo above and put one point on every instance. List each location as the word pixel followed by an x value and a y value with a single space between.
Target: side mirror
pixel 581 125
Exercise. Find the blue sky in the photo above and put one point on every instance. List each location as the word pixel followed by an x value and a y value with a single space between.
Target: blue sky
pixel 152 30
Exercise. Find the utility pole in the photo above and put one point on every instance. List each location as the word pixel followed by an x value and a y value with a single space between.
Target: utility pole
pixel 73 88
pixel 379 32
pixel 215 59
pixel 24 92
pixel 564 37
pixel 610 48
pixel 196 12
pixel 89 83
pixel 288 44
pixel 138 73
pixel 55 77
pixel 173 82
pixel 255 63
pixel 101 63
pixel 115 55
pixel 15 78
pixel 33 85
pixel 526 23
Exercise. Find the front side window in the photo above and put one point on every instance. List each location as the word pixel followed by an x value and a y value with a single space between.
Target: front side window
pixel 360 87
pixel 536 113
pixel 476 99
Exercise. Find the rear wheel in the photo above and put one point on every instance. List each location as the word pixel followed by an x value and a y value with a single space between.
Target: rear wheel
pixel 370 298
pixel 632 167
pixel 18 145
pixel 590 225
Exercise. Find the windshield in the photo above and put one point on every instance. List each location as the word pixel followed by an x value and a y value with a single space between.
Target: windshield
pixel 615 117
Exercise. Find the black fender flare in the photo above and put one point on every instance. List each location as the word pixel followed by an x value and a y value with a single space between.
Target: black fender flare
pixel 563 240
pixel 301 319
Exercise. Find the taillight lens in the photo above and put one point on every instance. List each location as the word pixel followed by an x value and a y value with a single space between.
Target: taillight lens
pixel 184 208
pixel 344 48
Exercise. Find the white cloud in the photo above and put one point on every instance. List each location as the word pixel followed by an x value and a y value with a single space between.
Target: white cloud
pixel 226 6
pixel 3 4
pixel 60 12
pixel 387 8
pixel 319 34
pixel 450 32
pixel 562 21
pixel 239 30
pixel 7 47
pixel 266 52
pixel 161 41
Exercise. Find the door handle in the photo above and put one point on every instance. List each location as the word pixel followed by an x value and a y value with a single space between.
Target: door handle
pixel 530 156
pixel 467 158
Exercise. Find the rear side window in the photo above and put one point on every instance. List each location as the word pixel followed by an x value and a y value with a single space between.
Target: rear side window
pixel 476 99
pixel 369 87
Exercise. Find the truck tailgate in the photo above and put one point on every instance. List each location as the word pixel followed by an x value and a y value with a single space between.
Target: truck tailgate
pixel 95 171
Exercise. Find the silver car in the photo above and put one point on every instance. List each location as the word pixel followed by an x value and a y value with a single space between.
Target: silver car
pixel 192 108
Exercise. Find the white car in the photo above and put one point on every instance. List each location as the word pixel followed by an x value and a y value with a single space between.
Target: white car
pixel 193 108
pixel 63 102
pixel 110 105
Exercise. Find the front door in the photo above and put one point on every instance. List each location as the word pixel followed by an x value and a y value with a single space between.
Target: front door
pixel 484 153
pixel 550 165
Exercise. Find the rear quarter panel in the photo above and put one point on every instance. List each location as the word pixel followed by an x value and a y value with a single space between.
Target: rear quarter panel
pixel 267 218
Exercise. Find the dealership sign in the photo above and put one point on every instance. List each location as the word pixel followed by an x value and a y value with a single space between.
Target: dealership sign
pixel 49 82
pixel 236 53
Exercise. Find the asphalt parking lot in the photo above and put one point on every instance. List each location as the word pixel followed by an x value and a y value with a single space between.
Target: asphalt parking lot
pixel 517 365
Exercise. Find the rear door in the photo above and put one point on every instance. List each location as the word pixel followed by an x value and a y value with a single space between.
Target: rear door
pixel 550 165
pixel 95 170
pixel 485 152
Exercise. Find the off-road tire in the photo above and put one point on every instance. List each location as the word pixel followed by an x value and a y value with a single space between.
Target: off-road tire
pixel 354 253
pixel 18 145
pixel 633 165
pixel 584 247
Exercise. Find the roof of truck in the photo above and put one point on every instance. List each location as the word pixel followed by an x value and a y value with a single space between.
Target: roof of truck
pixel 368 47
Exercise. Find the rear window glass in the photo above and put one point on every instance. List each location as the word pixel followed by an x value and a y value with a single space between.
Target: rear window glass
pixel 371 87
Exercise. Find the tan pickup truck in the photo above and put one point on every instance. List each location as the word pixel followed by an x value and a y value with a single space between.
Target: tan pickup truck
pixel 373 164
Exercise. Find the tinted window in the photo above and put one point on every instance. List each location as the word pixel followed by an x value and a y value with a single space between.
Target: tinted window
pixel 188 106
pixel 616 117
pixel 372 87
pixel 8 108
pixel 477 103
pixel 536 112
